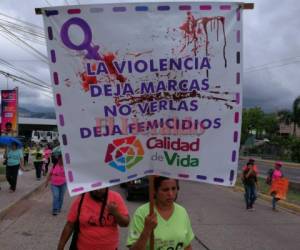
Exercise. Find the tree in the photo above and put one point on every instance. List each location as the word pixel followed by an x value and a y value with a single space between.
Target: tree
pixel 270 126
pixel 296 114
pixel 285 116
pixel 253 120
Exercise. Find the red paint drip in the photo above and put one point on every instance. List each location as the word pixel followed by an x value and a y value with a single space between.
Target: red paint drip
pixel 108 60
pixel 194 29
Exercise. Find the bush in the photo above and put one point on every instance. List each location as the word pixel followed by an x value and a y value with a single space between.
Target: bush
pixel 295 148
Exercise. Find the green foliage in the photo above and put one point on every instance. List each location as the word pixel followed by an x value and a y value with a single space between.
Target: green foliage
pixel 295 149
pixel 252 120
pixel 258 125
pixel 270 125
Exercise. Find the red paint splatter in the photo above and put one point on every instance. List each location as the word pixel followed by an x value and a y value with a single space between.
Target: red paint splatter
pixel 108 60
pixel 177 96
pixel 88 80
pixel 194 29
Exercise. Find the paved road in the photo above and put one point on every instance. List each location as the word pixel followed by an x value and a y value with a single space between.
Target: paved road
pixel 218 217
pixel 292 173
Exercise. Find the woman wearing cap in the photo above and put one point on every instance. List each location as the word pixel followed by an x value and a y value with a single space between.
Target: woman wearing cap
pixel 276 175
pixel 249 178
pixel 58 183
pixel 170 221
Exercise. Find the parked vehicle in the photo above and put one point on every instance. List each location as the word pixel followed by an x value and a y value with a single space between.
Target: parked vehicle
pixel 43 137
pixel 137 189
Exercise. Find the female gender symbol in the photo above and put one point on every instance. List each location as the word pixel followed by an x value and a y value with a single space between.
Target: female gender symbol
pixel 92 51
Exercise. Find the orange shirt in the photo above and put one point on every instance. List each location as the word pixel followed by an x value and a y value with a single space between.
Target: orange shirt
pixel 91 234
pixel 254 168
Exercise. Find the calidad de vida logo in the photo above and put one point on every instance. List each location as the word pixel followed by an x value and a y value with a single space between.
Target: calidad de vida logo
pixel 173 150
pixel 123 153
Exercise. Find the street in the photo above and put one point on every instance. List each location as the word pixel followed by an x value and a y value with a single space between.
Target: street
pixel 218 216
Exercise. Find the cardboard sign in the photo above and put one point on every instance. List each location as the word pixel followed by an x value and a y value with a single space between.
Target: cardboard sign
pixel 280 187
pixel 147 88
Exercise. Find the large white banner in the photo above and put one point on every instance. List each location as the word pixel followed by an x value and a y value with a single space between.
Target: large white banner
pixel 147 88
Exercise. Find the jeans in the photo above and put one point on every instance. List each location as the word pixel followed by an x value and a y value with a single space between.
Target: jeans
pixel 274 200
pixel 58 193
pixel 12 175
pixel 250 195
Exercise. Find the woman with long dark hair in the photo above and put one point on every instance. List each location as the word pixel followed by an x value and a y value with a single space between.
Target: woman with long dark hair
pixel 93 219
pixel 14 161
pixel 170 221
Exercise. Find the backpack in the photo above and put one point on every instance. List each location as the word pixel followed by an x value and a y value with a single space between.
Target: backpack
pixel 73 245
pixel 269 176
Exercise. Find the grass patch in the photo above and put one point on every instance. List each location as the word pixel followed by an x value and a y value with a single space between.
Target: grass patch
pixel 293 196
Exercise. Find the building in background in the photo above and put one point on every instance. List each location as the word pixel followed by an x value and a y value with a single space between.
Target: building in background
pixel 288 129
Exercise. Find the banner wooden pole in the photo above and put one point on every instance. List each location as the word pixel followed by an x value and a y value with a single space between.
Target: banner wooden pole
pixel 247 6
pixel 151 204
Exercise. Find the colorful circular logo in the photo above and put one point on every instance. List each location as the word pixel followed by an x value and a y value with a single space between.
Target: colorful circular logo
pixel 124 153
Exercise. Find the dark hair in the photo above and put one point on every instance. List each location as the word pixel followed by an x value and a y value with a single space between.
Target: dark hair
pixel 103 207
pixel 251 161
pixel 8 124
pixel 158 180
pixel 14 144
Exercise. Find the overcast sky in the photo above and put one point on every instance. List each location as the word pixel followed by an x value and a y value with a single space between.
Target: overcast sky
pixel 271 52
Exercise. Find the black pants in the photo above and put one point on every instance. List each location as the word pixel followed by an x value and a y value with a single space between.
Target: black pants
pixel 53 160
pixel 12 175
pixel 46 166
pixel 26 156
pixel 38 169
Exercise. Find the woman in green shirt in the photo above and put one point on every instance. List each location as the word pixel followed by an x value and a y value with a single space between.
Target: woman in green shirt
pixel 38 161
pixel 170 221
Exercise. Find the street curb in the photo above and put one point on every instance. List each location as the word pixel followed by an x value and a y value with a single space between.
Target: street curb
pixel 281 203
pixel 5 211
pixel 287 164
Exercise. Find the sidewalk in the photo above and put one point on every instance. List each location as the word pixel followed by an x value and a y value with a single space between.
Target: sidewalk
pixel 26 185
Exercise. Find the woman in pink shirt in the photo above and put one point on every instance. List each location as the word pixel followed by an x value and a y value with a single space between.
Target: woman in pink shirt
pixel 58 184
pixel 276 175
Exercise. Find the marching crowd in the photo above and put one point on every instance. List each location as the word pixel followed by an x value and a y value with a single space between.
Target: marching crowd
pixel 18 160
pixel 94 217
